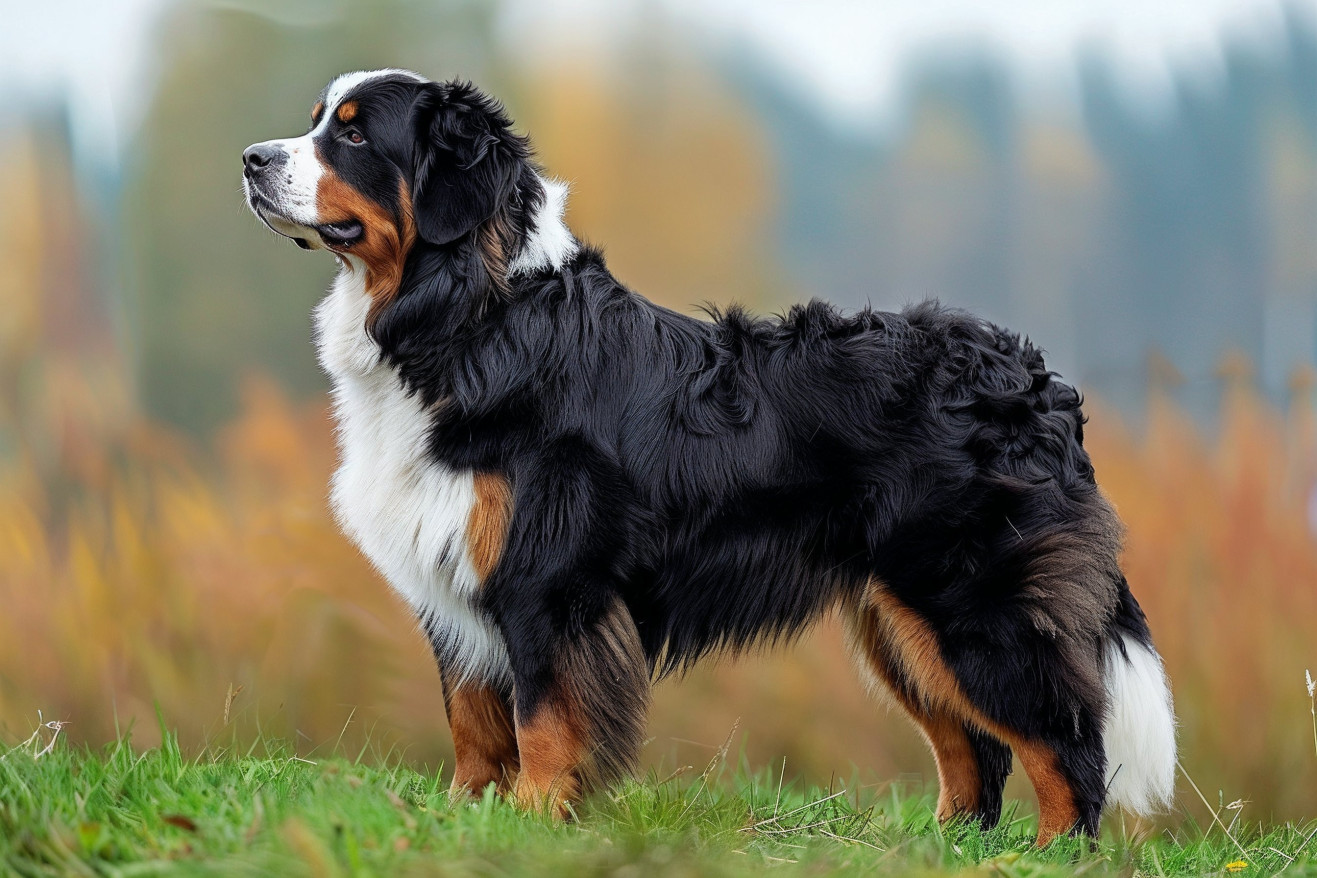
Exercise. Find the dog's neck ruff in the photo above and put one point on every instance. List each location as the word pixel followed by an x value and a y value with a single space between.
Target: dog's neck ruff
pixel 551 244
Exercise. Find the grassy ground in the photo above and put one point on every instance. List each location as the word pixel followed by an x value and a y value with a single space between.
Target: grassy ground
pixel 122 812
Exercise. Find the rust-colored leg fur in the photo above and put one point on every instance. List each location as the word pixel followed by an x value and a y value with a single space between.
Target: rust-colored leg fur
pixel 483 737
pixel 957 766
pixel 1057 813
pixel 583 729
pixel 553 749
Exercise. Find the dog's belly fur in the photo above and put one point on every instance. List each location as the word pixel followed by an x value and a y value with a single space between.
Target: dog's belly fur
pixel 406 511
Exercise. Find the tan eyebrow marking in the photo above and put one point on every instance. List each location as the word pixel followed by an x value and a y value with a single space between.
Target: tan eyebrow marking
pixel 346 111
pixel 316 111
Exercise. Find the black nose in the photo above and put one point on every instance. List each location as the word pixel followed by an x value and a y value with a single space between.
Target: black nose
pixel 259 156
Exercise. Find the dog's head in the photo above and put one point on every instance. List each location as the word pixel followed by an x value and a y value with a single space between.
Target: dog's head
pixel 393 161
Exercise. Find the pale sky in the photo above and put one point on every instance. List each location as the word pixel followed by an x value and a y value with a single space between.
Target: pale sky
pixel 850 52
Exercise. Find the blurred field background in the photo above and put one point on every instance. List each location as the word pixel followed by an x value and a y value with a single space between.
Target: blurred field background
pixel 164 442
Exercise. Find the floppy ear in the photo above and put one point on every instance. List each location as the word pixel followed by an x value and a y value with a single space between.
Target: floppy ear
pixel 465 161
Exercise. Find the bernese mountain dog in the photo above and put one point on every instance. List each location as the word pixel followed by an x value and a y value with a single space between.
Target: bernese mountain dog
pixel 579 492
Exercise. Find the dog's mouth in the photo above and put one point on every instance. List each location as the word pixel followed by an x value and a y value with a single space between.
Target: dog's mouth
pixel 264 207
pixel 340 235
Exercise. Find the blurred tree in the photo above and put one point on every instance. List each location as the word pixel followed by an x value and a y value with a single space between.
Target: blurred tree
pixel 955 180
pixel 668 175
pixel 21 281
pixel 63 392
pixel 1184 263
pixel 214 297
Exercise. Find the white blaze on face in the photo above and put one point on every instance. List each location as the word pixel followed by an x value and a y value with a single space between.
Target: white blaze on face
pixel 293 191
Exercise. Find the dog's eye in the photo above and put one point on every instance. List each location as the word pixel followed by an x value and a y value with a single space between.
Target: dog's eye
pixel 354 137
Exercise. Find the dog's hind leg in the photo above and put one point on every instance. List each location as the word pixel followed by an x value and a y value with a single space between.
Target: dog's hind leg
pixel 993 758
pixel 1036 699
pixel 976 714
pixel 1033 666
pixel 972 765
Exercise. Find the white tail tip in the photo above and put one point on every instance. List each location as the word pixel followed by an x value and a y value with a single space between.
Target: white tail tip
pixel 1139 735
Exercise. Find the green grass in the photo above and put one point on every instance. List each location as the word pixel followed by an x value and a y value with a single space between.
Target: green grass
pixel 71 811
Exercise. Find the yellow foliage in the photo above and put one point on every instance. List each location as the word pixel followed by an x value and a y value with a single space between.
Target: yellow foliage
pixel 704 176
pixel 20 192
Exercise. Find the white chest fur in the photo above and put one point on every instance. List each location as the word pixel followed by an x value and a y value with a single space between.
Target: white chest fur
pixel 406 512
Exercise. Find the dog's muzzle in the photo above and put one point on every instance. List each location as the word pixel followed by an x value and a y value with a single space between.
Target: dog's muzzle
pixel 262 159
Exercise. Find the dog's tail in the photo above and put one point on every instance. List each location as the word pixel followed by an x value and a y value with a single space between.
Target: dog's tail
pixel 1139 734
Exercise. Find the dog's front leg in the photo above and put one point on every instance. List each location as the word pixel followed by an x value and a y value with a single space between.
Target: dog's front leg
pixel 580 709
pixel 484 741
pixel 580 676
